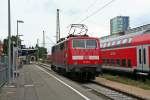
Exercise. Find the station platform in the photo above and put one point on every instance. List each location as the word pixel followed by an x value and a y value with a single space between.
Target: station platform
pixel 35 84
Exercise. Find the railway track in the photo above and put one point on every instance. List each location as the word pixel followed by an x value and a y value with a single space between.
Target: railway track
pixel 100 90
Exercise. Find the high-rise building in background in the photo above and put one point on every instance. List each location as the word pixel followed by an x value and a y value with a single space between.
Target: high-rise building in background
pixel 119 24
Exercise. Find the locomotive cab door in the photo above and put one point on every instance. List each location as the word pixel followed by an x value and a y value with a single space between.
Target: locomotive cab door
pixel 143 58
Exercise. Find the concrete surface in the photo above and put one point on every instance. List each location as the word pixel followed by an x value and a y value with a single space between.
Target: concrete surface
pixel 36 84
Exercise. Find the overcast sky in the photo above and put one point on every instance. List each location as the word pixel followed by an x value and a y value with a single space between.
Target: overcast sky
pixel 39 15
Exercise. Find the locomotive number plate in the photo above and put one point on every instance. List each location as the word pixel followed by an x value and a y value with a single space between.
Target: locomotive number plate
pixel 86 57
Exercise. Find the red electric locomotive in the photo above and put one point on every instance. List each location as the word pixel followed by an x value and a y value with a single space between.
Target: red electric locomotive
pixel 78 56
pixel 128 53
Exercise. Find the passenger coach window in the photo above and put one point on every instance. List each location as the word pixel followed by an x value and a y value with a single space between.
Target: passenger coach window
pixel 78 44
pixel 140 56
pixel 129 63
pixel 91 44
pixel 118 62
pixel 112 61
pixel 144 54
pixel 123 62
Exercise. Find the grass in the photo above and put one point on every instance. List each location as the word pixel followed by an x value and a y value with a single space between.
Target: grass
pixel 125 80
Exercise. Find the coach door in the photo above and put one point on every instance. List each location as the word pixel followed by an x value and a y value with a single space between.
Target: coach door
pixel 143 58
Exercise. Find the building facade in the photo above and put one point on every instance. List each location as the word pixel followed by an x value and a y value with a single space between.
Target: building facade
pixel 119 24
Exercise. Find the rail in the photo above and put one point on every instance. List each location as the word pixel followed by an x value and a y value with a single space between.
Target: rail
pixel 106 92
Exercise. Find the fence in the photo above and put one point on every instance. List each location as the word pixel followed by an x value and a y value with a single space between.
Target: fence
pixel 3 71
pixel 3 75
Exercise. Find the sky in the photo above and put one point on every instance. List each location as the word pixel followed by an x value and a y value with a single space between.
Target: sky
pixel 39 15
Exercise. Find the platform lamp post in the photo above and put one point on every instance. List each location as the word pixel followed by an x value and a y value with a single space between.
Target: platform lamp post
pixel 9 43
pixel 18 21
pixel 17 44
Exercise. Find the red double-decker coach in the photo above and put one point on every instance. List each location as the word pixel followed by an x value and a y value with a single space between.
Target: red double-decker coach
pixel 129 53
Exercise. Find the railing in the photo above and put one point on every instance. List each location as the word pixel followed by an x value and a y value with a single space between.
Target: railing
pixel 3 74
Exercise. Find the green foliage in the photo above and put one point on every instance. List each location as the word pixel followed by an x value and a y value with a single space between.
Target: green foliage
pixel 125 80
pixel 13 41
pixel 42 53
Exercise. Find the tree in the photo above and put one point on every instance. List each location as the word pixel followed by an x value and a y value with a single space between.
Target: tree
pixel 13 42
pixel 42 53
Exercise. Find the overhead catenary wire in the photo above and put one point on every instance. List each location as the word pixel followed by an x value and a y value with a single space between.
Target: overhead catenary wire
pixel 100 9
pixel 91 5
pixel 50 40
pixel 92 14
pixel 87 9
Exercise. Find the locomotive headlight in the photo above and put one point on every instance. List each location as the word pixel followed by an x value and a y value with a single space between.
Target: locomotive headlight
pixel 66 55
pixel 75 62
pixel 96 62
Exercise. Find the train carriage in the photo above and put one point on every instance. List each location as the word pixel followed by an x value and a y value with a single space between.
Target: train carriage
pixel 128 53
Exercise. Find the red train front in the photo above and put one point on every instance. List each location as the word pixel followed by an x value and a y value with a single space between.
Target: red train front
pixel 78 56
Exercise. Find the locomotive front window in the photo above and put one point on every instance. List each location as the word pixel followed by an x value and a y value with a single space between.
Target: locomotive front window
pixel 91 44
pixel 83 44
pixel 78 44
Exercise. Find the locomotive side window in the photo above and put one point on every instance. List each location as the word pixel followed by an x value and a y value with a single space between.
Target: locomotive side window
pixel 66 45
pixel 78 44
pixel 91 44
pixel 61 46
pixel 53 49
